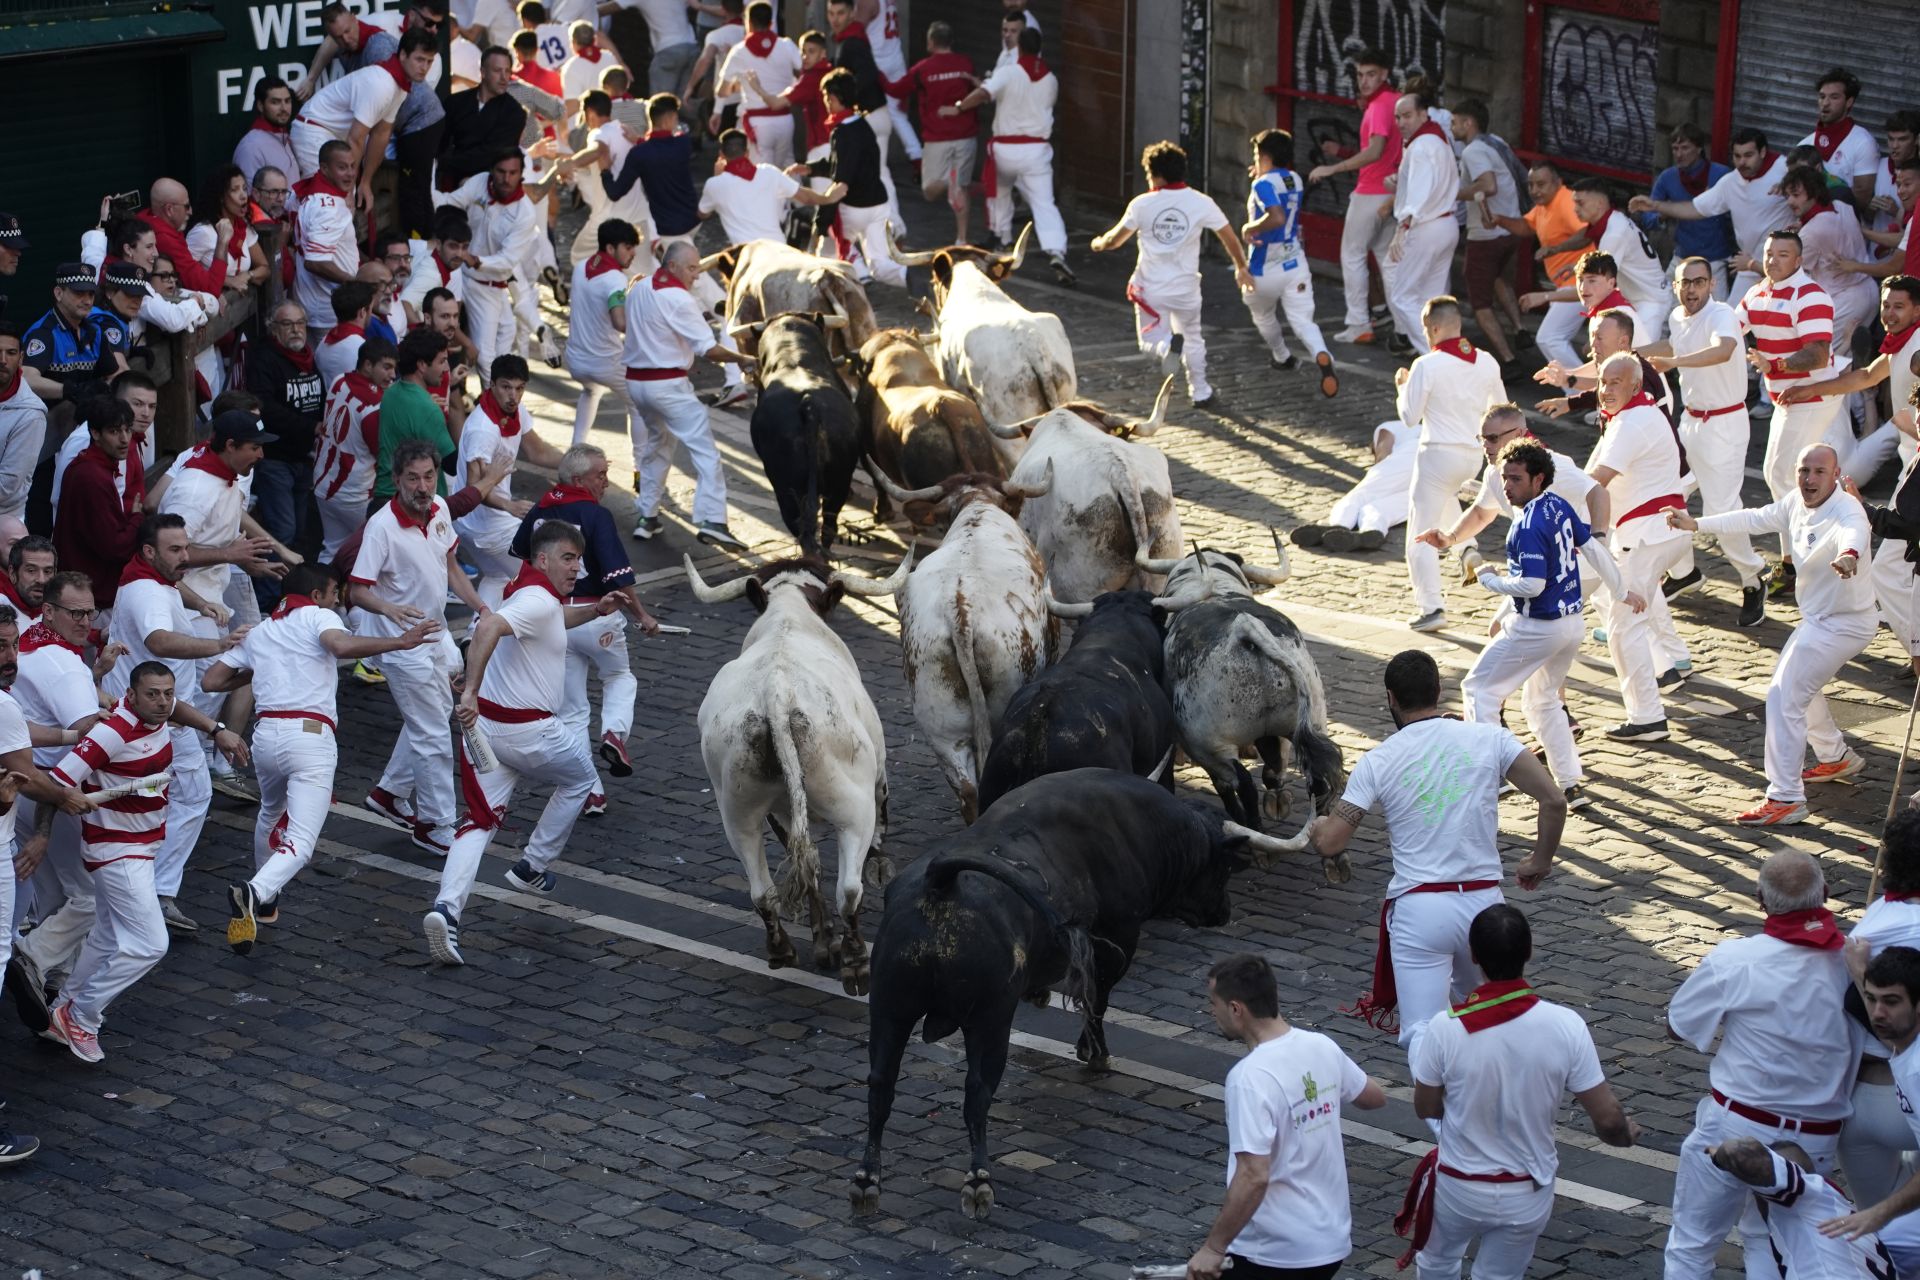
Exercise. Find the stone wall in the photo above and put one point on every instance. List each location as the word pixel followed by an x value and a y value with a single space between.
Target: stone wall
pixel 1689 41
pixel 1246 36
pixel 1486 49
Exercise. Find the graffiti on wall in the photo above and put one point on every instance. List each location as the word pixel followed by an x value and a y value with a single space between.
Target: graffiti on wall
pixel 1196 37
pixel 1328 33
pixel 1598 88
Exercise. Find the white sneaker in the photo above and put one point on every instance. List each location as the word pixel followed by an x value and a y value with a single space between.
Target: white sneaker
pixel 1355 333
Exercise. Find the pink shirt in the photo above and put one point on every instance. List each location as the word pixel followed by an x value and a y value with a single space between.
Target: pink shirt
pixel 1376 121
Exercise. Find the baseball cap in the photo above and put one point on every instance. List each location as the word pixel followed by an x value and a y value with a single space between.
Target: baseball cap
pixel 77 276
pixel 12 236
pixel 237 426
pixel 124 277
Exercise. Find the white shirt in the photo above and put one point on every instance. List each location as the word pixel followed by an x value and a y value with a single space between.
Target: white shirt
pixel 482 439
pixel 212 507
pixel 1826 237
pixel 404 564
pixel 337 355
pixel 1642 279
pixel 1169 225
pixel 292 670
pixel 203 241
pixel 1638 443
pixel 1569 481
pixel 1884 924
pixel 369 96
pixel 1504 1085
pixel 1817 536
pixel 140 608
pixel 1715 386
pixel 1857 153
pixel 1283 1102
pixel 323 232
pixel 1905 1230
pixel 1794 1205
pixel 720 42
pixel 426 276
pixel 504 235
pixel 1755 206
pixel 1438 782
pixel 1786 1044
pixel 750 210
pixel 1477 159
pixel 883 34
pixel 632 206
pixel 55 689
pixel 13 737
pixel 528 668
pixel 667 25
pixel 580 74
pixel 665 329
pixel 777 72
pixel 1022 106
pixel 1399 462
pixel 1447 396
pixel 599 288
pixel 1429 181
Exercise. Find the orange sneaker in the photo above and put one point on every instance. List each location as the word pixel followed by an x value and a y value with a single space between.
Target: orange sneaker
pixel 1841 770
pixel 1774 813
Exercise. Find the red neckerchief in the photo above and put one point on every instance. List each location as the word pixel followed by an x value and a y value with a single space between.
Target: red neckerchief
pixel 1890 896
pixel 286 606
pixel 1829 137
pixel 837 118
pixel 1816 211
pixel 446 272
pixel 1492 1003
pixel 208 461
pixel 1431 130
pixel 561 494
pixel 406 520
pixel 1695 186
pixel 1640 397
pixel 41 636
pixel 12 388
pixel 1766 165
pixel 601 263
pixel 301 359
pixel 237 242
pixel 591 53
pixel 760 43
pixel 852 31
pixel 1033 65
pixel 1598 228
pixel 519 193
pixel 393 68
pixel 661 280
pixel 509 423
pixel 344 330
pixel 1172 186
pixel 1612 300
pixel 365 32
pixel 1810 928
pixel 653 135
pixel 531 577
pixel 12 592
pixel 263 125
pixel 1459 348
pixel 1889 345
pixel 139 570
pixel 317 185
pixel 743 168
pixel 734 22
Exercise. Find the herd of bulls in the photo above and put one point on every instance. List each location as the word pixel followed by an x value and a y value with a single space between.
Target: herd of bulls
pixel 1047 507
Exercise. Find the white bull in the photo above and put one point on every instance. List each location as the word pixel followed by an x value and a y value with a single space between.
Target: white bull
pixel 766 278
pixel 1112 498
pixel 974 623
pixel 787 728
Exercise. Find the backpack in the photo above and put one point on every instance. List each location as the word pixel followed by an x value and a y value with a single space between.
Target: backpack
pixel 1514 167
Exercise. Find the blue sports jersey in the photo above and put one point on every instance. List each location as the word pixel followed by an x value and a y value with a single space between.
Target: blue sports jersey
pixel 1280 247
pixel 1542 544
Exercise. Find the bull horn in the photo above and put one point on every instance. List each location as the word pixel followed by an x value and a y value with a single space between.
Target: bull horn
pixel 1271 577
pixel 1014 489
pixel 898 494
pixel 1159 417
pixel 901 256
pixel 1174 604
pixel 713 260
pixel 1014 257
pixel 714 595
pixel 1144 559
pixel 1016 430
pixel 833 322
pixel 754 328
pixel 926 308
pixel 861 585
pixel 1267 848
pixel 1060 609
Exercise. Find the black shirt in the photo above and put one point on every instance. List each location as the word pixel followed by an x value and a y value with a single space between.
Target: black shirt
pixel 477 135
pixel 291 401
pixel 856 55
pixel 854 160
pixel 662 166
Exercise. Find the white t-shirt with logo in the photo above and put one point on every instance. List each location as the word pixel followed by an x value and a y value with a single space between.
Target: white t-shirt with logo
pixel 749 210
pixel 1438 782
pixel 1168 225
pixel 403 563
pixel 1283 1102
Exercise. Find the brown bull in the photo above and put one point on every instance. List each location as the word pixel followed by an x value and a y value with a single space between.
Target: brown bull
pixel 919 429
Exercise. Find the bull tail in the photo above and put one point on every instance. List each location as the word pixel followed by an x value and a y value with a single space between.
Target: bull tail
pixel 813 429
pixel 1137 515
pixel 800 874
pixel 1320 757
pixel 965 659
pixel 954 416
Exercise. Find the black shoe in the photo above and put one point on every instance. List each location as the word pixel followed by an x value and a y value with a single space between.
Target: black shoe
pixel 1288 365
pixel 243 925
pixel 1671 586
pixel 1308 535
pixel 1523 341
pixel 1329 380
pixel 1652 731
pixel 1577 797
pixel 267 912
pixel 1061 271
pixel 1671 678
pixel 1368 540
pixel 716 534
pixel 28 987
pixel 15 1147
pixel 1400 346
pixel 1784 580
pixel 1339 540
pixel 1753 606
pixel 1209 402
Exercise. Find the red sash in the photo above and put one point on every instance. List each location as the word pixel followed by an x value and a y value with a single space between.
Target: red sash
pixel 1414 1222
pixel 1376 1008
pixel 989 173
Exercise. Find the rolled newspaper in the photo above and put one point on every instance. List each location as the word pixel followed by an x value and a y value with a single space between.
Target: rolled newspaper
pixel 479 750
pixel 1169 1270
pixel 144 787
pixel 668 629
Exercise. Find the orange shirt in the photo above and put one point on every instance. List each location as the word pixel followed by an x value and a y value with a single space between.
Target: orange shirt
pixel 1553 222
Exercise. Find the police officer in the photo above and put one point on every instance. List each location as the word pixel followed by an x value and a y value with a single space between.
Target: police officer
pixel 13 242
pixel 62 348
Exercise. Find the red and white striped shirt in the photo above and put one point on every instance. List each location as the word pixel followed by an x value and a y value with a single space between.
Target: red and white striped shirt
pixel 1784 316
pixel 350 440
pixel 118 751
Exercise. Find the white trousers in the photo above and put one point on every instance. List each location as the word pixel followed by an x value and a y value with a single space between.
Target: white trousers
pixel 1505 1217
pixel 128 938
pixel 294 760
pixel 188 796
pixel 1378 502
pixel 306 140
pixel 1432 965
pixel 1026 167
pixel 1536 652
pixel 866 230
pixel 771 141
pixel 1897 592
pixel 1290 291
pixel 595 383
pixel 601 645
pixel 1797 715
pixel 1426 259
pixel 63 894
pixel 539 751
pixel 665 412
pixel 1156 320
pixel 1876 1135
pixel 902 125
pixel 1639 643
pixel 1363 232
pixel 491 324
pixel 1717 454
pixel 1433 502
pixel 341 516
pixel 881 122
pixel 422 762
pixel 1708 1202
pixel 1794 427
pixel 1563 322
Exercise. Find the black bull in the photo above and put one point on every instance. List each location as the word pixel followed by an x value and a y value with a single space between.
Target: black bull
pixel 1052 883
pixel 804 429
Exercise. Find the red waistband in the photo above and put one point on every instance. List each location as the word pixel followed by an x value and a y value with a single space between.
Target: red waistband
pixel 1714 413
pixel 761 113
pixel 1454 886
pixel 299 715
pixel 1018 139
pixel 496 284
pixel 1503 1176
pixel 510 715
pixel 1665 502
pixel 1779 1122
pixel 654 375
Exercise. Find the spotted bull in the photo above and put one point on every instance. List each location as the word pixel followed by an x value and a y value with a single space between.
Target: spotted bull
pixel 766 278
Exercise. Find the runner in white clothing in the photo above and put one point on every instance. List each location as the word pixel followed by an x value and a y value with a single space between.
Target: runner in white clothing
pixel 498 424
pixel 1750 196
pixel 1847 149
pixel 1170 220
pixel 1796 1204
pixel 1889 985
pixel 1490 1076
pixel 291 660
pixel 751 199
pixel 605 151
pixel 1019 155
pixel 1425 232
pixel 597 335
pixel 1446 859
pixel 1643 279
pixel 348 449
pixel 1361 518
pixel 516 675
pixel 759 69
pixel 506 230
pixel 359 109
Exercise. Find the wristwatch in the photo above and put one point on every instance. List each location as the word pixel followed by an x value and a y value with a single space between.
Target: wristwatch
pixel 219 727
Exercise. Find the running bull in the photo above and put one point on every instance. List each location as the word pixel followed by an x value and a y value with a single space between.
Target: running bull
pixel 804 427
pixel 766 278
pixel 919 430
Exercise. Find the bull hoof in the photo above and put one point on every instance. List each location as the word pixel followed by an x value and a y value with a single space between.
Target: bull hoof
pixel 782 957
pixel 1094 1055
pixel 1275 805
pixel 826 955
pixel 864 1193
pixel 1339 869
pixel 855 975
pixel 976 1197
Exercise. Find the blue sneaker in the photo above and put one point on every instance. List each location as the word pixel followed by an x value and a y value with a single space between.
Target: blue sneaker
pixel 1684 666
pixel 443 934
pixel 523 877
pixel 1599 635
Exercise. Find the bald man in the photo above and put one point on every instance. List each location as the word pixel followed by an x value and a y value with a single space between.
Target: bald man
pixel 1425 232
pixel 168 207
pixel 1827 529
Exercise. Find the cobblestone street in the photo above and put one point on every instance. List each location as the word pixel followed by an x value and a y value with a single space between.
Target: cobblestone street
pixel 616 1085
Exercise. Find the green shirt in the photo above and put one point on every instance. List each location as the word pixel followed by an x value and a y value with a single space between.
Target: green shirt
pixel 407 412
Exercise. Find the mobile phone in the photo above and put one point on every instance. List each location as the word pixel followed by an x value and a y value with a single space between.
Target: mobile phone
pixel 124 203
